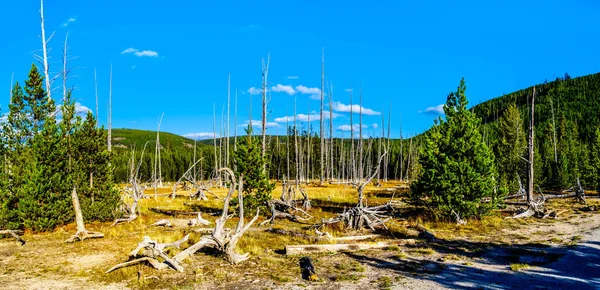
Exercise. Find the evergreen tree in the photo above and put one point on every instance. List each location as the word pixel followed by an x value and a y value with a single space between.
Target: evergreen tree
pixel 249 163
pixel 595 161
pixel 510 149
pixel 97 194
pixel 457 168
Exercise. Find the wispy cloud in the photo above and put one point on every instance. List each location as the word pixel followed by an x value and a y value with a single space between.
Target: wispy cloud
pixel 250 27
pixel 348 128
pixel 282 88
pixel 437 110
pixel 374 126
pixel 305 117
pixel 201 135
pixel 140 53
pixel 348 90
pixel 308 91
pixel 292 77
pixel 356 109
pixel 258 123
pixel 69 21
pixel 254 91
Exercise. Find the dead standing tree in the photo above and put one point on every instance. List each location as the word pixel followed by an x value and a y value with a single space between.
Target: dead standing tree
pixel 363 216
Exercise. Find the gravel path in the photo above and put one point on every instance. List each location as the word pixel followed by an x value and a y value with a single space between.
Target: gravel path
pixel 577 267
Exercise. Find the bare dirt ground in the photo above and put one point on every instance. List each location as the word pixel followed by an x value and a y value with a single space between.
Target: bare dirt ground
pixel 494 253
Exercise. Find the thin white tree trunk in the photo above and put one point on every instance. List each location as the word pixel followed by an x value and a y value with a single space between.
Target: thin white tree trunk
pixel 228 124
pixel 265 74
pixel 322 134
pixel 96 91
pixel 45 52
pixel 531 140
pixel 110 111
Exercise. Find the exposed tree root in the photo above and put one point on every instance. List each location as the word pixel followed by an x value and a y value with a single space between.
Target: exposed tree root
pixel 151 253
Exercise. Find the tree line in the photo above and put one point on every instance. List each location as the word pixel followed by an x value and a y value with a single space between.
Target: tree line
pixel 48 150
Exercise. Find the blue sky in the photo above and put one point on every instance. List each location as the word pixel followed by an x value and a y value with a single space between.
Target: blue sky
pixel 175 56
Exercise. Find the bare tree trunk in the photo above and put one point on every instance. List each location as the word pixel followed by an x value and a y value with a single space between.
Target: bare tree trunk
pixel 331 129
pixel 308 145
pixel 530 145
pixel 322 136
pixel 553 131
pixel 235 129
pixel 361 172
pixel 296 143
pixel 110 112
pixel 45 52
pixel 410 153
pixel 157 165
pixel 265 73
pixel 215 144
pixel 387 156
pixel 287 146
pixel 401 149
pixel 82 233
pixel 96 91
pixel 228 124
pixel 352 158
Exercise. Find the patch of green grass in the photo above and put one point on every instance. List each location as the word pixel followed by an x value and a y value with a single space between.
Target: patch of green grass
pixel 384 282
pixel 279 279
pixel 423 251
pixel 401 255
pixel 392 248
pixel 518 267
pixel 576 238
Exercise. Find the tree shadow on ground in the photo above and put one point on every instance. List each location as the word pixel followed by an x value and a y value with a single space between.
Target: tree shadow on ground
pixel 565 267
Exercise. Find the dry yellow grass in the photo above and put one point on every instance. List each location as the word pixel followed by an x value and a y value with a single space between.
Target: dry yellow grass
pixel 46 257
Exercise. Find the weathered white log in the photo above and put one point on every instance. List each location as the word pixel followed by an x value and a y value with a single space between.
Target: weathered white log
pixel 198 220
pixel 162 223
pixel 15 234
pixel 320 248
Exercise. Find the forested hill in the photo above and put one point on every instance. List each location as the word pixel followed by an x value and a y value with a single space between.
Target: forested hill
pixel 567 131
pixel 577 100
pixel 127 138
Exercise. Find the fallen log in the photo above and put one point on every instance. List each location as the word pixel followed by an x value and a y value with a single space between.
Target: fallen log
pixel 15 234
pixel 321 248
pixel 174 212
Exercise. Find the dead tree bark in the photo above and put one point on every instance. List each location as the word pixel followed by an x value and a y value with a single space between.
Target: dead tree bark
pixel 110 112
pixel 322 134
pixel 96 91
pixel 331 131
pixel 360 142
pixel 15 234
pixel 222 240
pixel 81 233
pixel 362 216
pixel 45 53
pixel 265 74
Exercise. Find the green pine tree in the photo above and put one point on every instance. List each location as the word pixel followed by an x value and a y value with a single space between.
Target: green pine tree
pixel 457 168
pixel 249 163
pixel 510 149
pixel 97 194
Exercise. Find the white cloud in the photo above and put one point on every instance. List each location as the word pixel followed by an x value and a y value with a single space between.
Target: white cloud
pixel 374 126
pixel 349 90
pixel 308 91
pixel 140 53
pixel 254 91
pixel 305 117
pixel 69 21
pixel 292 77
pixel 347 128
pixel 282 88
pixel 437 110
pixel 258 123
pixel 81 109
pixel 356 109
pixel 201 135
